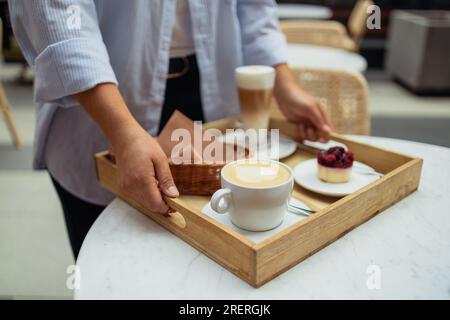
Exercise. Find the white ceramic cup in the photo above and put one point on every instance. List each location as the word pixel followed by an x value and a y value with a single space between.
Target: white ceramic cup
pixel 253 208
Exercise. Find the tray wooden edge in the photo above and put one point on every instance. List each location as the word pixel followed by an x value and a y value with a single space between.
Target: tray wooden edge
pixel 280 252
pixel 225 246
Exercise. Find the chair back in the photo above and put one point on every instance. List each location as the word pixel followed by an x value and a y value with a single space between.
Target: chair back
pixel 343 94
pixel 357 23
pixel 319 33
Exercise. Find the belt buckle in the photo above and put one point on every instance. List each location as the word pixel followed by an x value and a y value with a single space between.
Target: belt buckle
pixel 185 70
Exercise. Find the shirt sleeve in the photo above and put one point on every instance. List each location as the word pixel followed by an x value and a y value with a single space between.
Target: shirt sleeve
pixel 61 40
pixel 262 41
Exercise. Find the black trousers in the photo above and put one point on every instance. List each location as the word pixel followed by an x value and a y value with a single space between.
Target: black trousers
pixel 78 214
pixel 182 93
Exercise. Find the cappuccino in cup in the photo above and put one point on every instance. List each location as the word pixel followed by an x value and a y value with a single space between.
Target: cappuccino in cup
pixel 255 193
pixel 256 174
pixel 255 87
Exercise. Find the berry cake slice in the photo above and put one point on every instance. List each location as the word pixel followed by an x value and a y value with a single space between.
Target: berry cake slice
pixel 334 165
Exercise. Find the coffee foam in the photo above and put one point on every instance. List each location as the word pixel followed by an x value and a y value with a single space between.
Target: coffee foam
pixel 258 174
pixel 255 77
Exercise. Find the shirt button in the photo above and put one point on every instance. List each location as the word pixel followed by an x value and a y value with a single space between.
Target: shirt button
pixel 165 45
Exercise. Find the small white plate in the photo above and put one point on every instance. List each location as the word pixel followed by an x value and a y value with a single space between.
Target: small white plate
pixel 287 146
pixel 289 220
pixel 305 175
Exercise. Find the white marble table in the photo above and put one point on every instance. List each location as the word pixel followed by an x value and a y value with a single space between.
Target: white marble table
pixel 126 255
pixel 303 11
pixel 305 55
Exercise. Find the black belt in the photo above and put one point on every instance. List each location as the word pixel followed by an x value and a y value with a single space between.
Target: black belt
pixel 182 90
pixel 179 67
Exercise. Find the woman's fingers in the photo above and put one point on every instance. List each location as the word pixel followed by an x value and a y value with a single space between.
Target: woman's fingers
pixel 311 134
pixel 325 116
pixel 153 197
pixel 317 118
pixel 306 132
pixel 144 189
pixel 160 181
pixel 300 132
pixel 165 179
pixel 328 127
pixel 314 114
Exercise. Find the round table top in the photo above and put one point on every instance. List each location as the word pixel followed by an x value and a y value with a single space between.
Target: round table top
pixel 303 11
pixel 127 255
pixel 305 55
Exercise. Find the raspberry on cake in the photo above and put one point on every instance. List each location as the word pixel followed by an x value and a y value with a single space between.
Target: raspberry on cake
pixel 334 165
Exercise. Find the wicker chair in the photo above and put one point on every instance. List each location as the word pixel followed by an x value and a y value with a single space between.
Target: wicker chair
pixel 343 94
pixel 5 106
pixel 326 34
pixel 330 33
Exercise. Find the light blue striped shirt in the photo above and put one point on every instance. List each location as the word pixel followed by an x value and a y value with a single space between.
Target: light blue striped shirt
pixel 75 45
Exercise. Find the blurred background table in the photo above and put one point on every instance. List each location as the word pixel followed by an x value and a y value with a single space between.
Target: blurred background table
pixel 305 55
pixel 418 41
pixel 303 11
pixel 127 255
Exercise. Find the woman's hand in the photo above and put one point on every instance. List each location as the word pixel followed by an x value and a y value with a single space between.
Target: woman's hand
pixel 143 168
pixel 311 119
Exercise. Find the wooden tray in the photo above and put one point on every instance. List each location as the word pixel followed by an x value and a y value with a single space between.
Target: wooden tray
pixel 258 263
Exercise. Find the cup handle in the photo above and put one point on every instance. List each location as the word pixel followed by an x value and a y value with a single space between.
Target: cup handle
pixel 219 195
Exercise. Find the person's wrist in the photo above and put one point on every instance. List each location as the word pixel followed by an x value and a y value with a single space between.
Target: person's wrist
pixel 285 85
pixel 286 92
pixel 126 133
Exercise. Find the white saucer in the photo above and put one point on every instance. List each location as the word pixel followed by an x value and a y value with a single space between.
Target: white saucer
pixel 287 146
pixel 289 220
pixel 305 174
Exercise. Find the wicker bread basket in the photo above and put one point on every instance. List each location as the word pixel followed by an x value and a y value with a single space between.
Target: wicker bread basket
pixel 197 177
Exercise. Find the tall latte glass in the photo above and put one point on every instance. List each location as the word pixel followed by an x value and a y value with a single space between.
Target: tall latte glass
pixel 255 86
